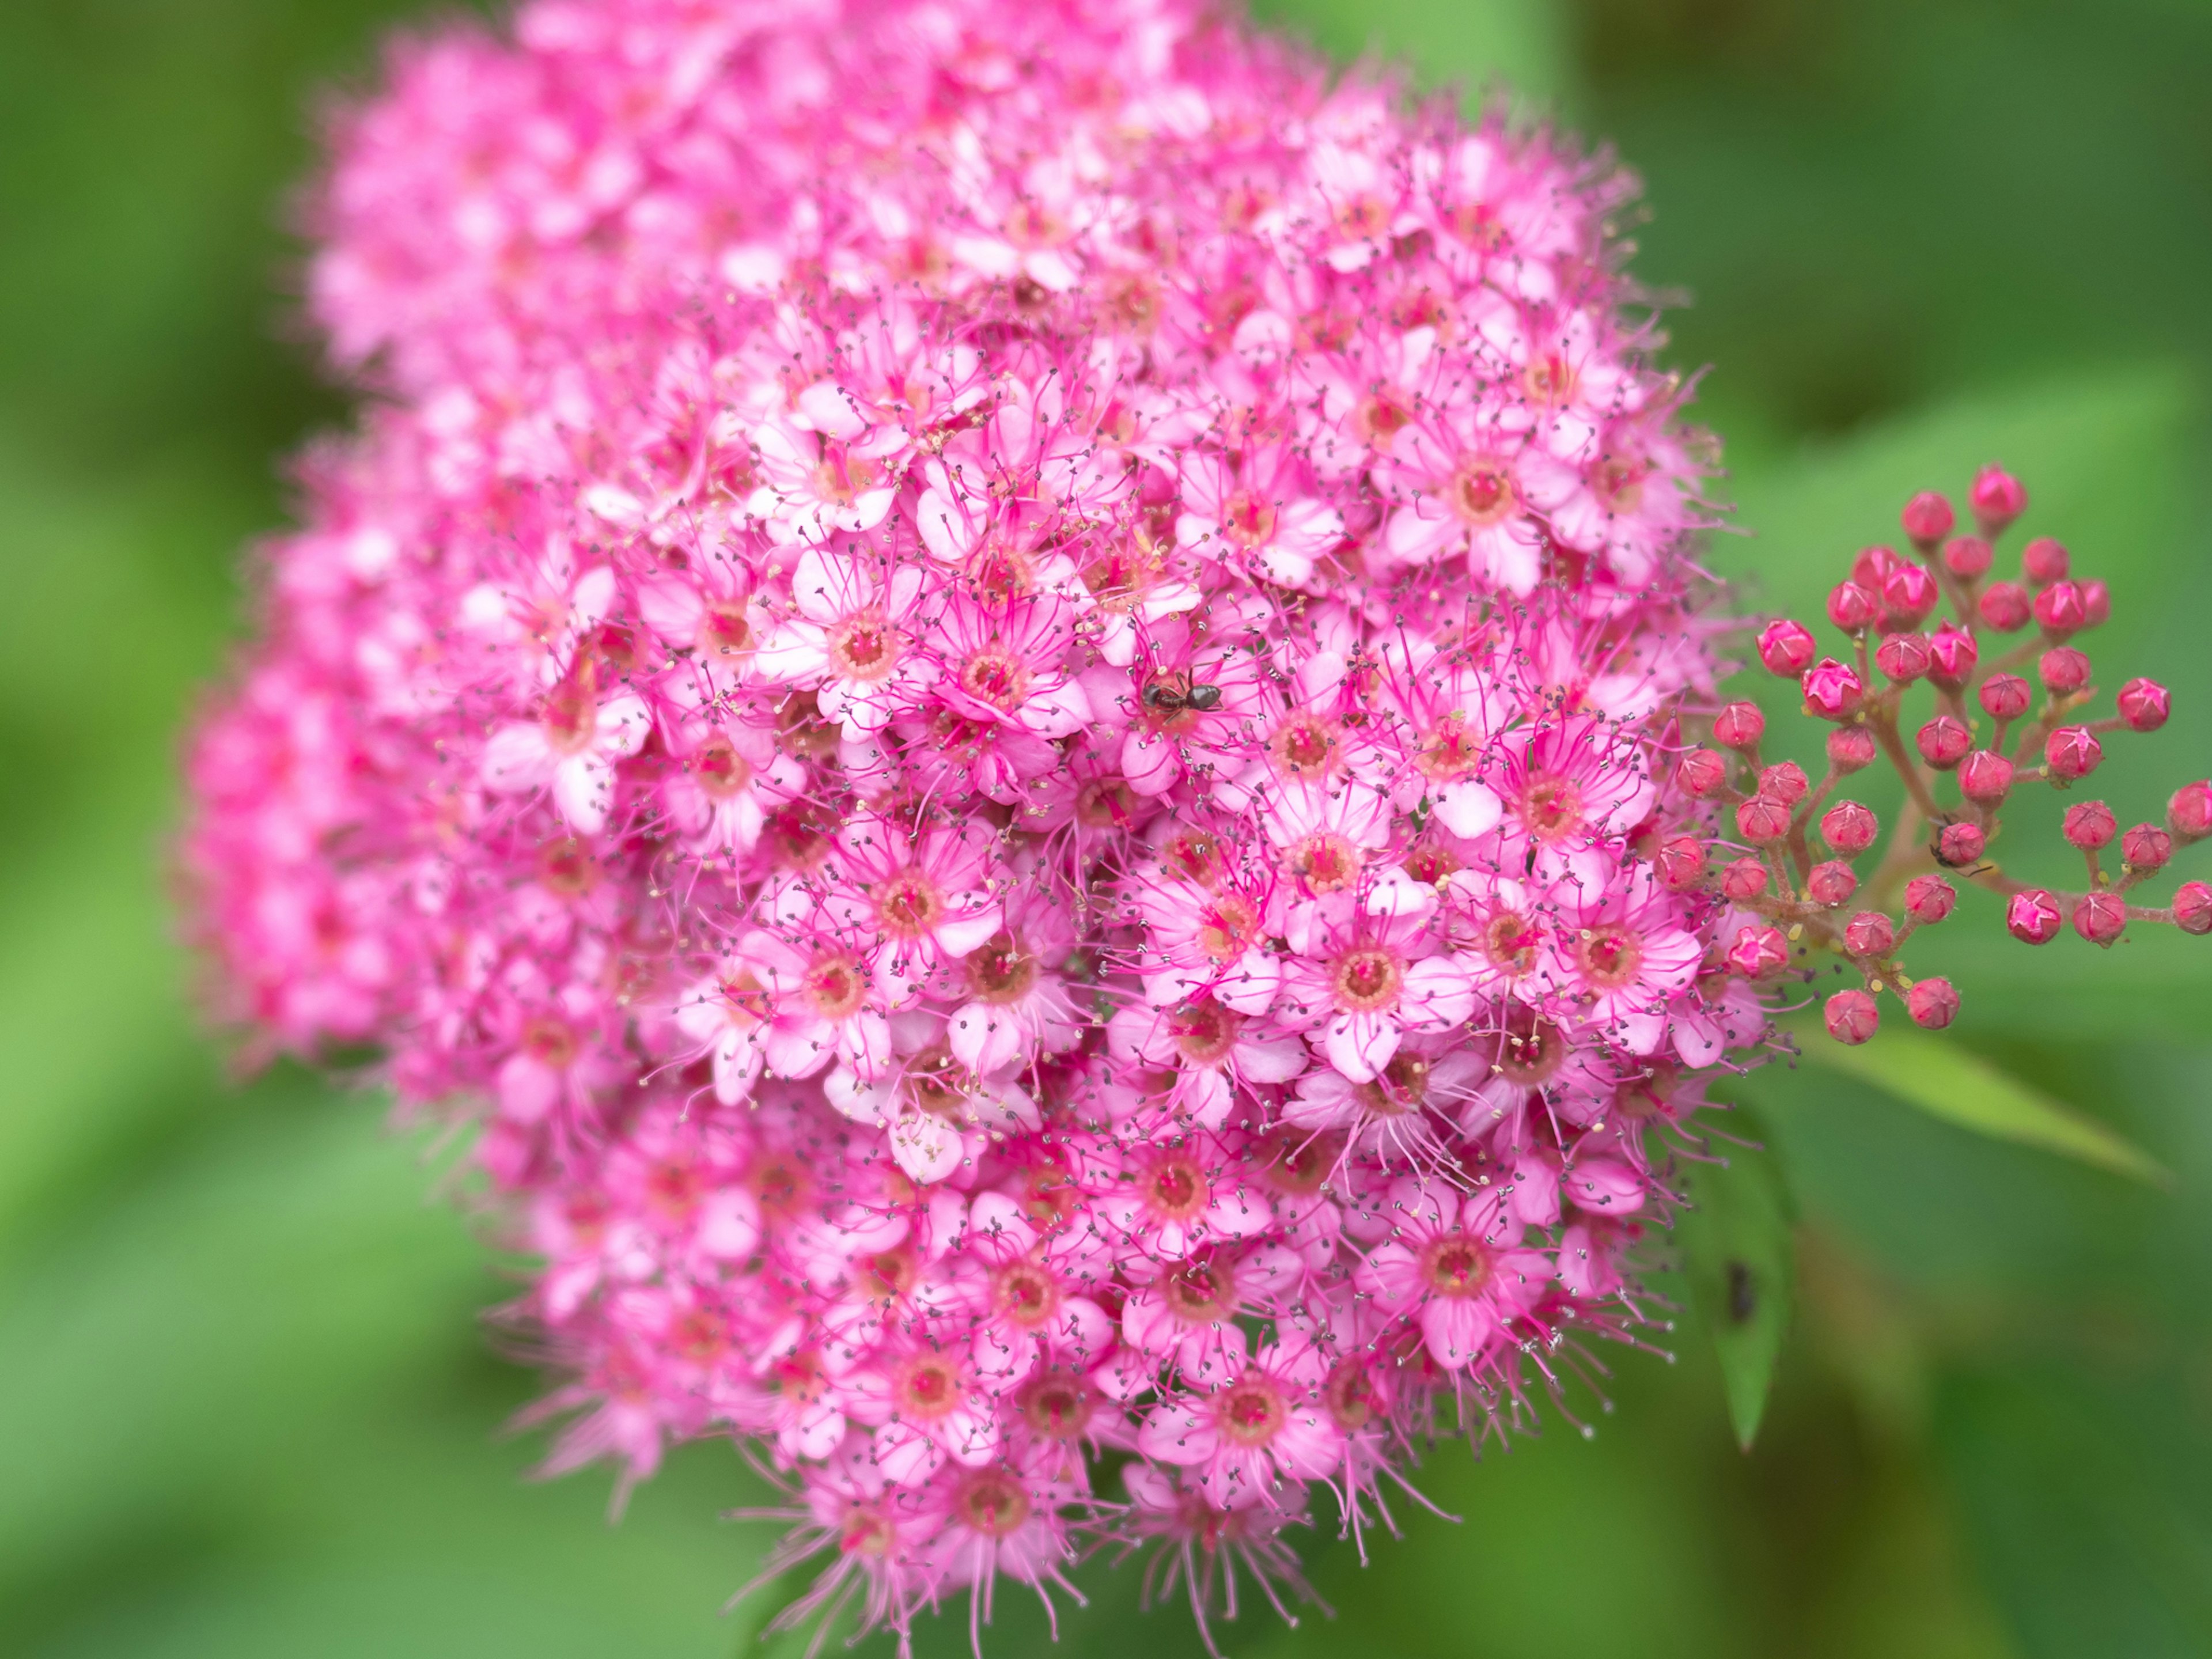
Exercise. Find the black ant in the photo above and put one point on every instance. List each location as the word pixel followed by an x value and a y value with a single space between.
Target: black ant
pixel 1164 697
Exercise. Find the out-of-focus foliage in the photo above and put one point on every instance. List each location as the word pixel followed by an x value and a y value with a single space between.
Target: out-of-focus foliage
pixel 244 1407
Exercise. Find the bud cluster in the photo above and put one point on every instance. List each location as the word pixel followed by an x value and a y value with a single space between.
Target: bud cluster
pixel 2005 717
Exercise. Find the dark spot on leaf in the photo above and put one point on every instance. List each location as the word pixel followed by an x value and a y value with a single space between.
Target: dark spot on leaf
pixel 1743 1294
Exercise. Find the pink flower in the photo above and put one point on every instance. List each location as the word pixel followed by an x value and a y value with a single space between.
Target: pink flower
pixel 1456 1263
pixel 572 746
pixel 1364 982
pixel 1260 1425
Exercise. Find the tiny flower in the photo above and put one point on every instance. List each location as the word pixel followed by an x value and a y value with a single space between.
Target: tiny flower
pixel 1967 557
pixel 2072 752
pixel 1831 690
pixel 1996 498
pixel 2144 705
pixel 2100 917
pixel 1787 649
pixel 2090 824
pixel 1929 899
pixel 2006 696
pixel 2146 847
pixel 1928 519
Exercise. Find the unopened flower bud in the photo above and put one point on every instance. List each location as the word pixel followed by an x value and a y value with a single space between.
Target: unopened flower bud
pixel 1985 777
pixel 1681 863
pixel 1944 742
pixel 2192 908
pixel 1958 845
pixel 2096 604
pixel 2144 705
pixel 1762 820
pixel 1786 648
pixel 1831 690
pixel 1700 773
pixel 1967 557
pixel 1758 952
pixel 2033 916
pixel 2006 607
pixel 1848 827
pixel 1997 498
pixel 2006 696
pixel 1928 519
pixel 1952 655
pixel 1853 607
pixel 1785 781
pixel 1852 1017
pixel 1739 726
pixel 1871 566
pixel 1928 899
pixel 1904 658
pixel 2060 612
pixel 2146 847
pixel 2045 561
pixel 1908 594
pixel 2062 670
pixel 2090 825
pixel 2071 752
pixel 1744 880
pixel 1870 933
pixel 1831 883
pixel 2189 813
pixel 1932 1003
pixel 2100 917
pixel 1851 749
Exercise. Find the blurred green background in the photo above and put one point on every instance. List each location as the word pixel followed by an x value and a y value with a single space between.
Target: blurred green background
pixel 245 1405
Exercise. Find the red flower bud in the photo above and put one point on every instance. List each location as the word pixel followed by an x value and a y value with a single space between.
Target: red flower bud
pixel 1681 863
pixel 2100 917
pixel 2192 908
pixel 1928 519
pixel 1951 657
pixel 2033 916
pixel 1985 777
pixel 1852 1017
pixel 2063 669
pixel 1967 557
pixel 1848 827
pixel 1958 845
pixel 2071 752
pixel 1762 820
pixel 1871 566
pixel 1944 742
pixel 1904 658
pixel 1870 933
pixel 2090 825
pixel 1786 648
pixel 1997 498
pixel 2189 813
pixel 1851 749
pixel 2006 696
pixel 1853 607
pixel 1700 772
pixel 1831 690
pixel 2006 607
pixel 1831 884
pixel 1744 880
pixel 2043 561
pixel 2096 605
pixel 2146 847
pixel 1785 781
pixel 1929 899
pixel 1908 594
pixel 1932 1003
pixel 1758 952
pixel 2144 705
pixel 1739 726
pixel 2059 610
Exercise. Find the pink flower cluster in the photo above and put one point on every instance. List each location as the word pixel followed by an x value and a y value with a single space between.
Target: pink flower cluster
pixel 1961 767
pixel 995 677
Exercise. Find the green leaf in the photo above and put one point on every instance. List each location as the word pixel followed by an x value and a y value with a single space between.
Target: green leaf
pixel 1947 1081
pixel 1741 1266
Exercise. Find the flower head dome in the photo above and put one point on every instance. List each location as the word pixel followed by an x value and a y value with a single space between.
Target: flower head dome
pixel 992 677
